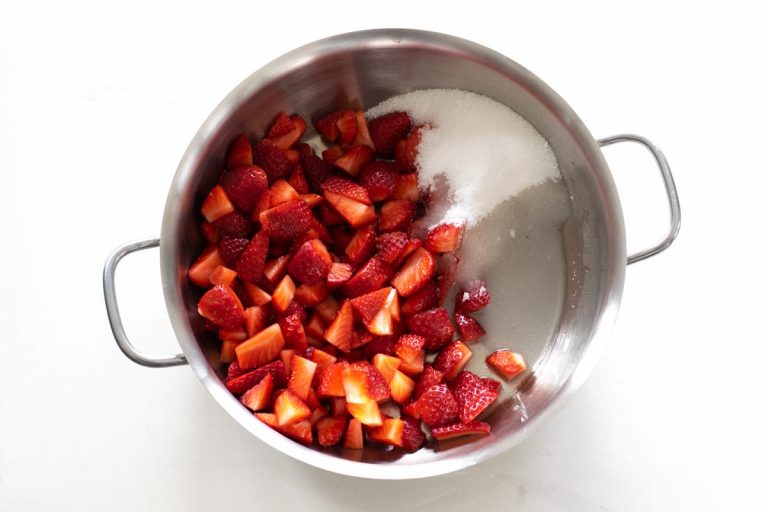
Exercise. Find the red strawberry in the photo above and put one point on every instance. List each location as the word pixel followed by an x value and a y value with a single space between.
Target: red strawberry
pixel 221 306
pixel 339 333
pixel 508 364
pixel 255 320
pixel 396 215
pixel 287 130
pixel 339 274
pixel 216 204
pixel 312 200
pixel 281 126
pixel 237 385
pixel 363 382
pixel 250 265
pixel 375 310
pixel 452 359
pixel 330 431
pixel 379 179
pixel 407 151
pixel 353 159
pixel 428 378
pixel 447 268
pixel 460 429
pixel 293 331
pixel 390 432
pixel 331 154
pixel 329 380
pixel 298 181
pixel 437 406
pixel 311 263
pixel 347 125
pixel 281 192
pixel 259 396
pixel 363 135
pixel 366 413
pixel 243 186
pixel 415 273
pixel 223 275
pixel 327 309
pixel 316 170
pixel 233 224
pixel 409 346
pixel 290 409
pixel 391 246
pixel 327 128
pixel 378 345
pixel 261 348
pixel 230 249
pixel 469 328
pixel 362 244
pixel 371 276
pixel 444 238
pixel 435 325
pixel 473 298
pixel 410 248
pixel 387 130
pixel 401 386
pixel 262 204
pixel 302 372
pixel 200 271
pixel 386 365
pixel 353 439
pixel 357 214
pixel 272 159
pixel 413 437
pixel 274 270
pixel 407 187
pixel 209 233
pixel 234 370
pixel 287 221
pixel 292 155
pixel 473 395
pixel 422 300
pixel 283 294
pixel 346 188
pixel 239 153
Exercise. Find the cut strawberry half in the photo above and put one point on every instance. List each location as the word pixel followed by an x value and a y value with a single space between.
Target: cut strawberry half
pixel 339 333
pixel 391 246
pixel 374 310
pixel 379 179
pixel 239 153
pixel 357 214
pixel 413 437
pixel 452 359
pixel 367 413
pixel 507 363
pixel 390 432
pixel 428 378
pixel 287 130
pixel 415 272
pixel 200 271
pixel 272 159
pixel 434 325
pixel 473 298
pixel 290 409
pixel 444 238
pixel 363 382
pixel 250 265
pixel 437 407
pixel 239 384
pixel 401 387
pixel 362 244
pixel 311 263
pixel 221 306
pixel 216 204
pixel 460 429
pixel 406 188
pixel 330 431
pixel 353 159
pixel 281 192
pixel 339 274
pixel 387 365
pixel 409 346
pixel 369 278
pixel 386 130
pixel 422 300
pixel 260 395
pixel 244 185
pixel 287 221
pixel 283 294
pixel 469 328
pixel 473 395
pixel 353 438
pixel 261 348
pixel 302 372
pixel 396 215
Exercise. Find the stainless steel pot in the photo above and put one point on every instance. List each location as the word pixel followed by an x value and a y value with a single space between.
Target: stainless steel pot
pixel 582 272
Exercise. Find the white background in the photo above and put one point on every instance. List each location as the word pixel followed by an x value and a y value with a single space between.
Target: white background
pixel 98 101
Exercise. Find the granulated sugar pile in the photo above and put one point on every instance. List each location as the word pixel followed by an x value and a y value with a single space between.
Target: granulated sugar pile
pixel 484 152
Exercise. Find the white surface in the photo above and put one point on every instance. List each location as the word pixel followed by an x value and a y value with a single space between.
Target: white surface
pixel 97 104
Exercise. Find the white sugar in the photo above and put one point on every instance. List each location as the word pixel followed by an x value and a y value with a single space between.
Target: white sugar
pixel 481 150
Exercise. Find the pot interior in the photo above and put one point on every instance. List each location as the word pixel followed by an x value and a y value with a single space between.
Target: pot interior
pixel 555 253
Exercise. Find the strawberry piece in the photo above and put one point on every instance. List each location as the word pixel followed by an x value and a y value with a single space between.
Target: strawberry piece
pixel 223 276
pixel 244 185
pixel 209 233
pixel 239 153
pixel 331 217
pixel 435 325
pixel 287 221
pixel 415 272
pixel 302 372
pixel 346 188
pixel 311 263
pixel 281 192
pixel 506 363
pixel 347 125
pixel 300 431
pixel 272 159
pixel 353 159
pixel 286 356
pixel 452 359
pixel 444 238
pixel 267 418
pixel 390 432
pixel 422 300
pixel 329 380
pixel 216 204
pixel 363 382
pixel 316 170
pixel 353 439
pixel 469 328
pixel 332 154
pixel 255 320
pixel 256 296
pixel 283 294
pixel 386 130
pixel 415 367
pixel 310 295
pixel 321 357
pixel 339 333
pixel 327 127
pixel 362 244
pixel 315 328
pixel 287 130
pixel 262 204
pixel 292 155
pixel 328 309
pixel 407 151
pixel 312 200
pixel 386 365
pixel 379 179
pixel 473 298
pixel 317 414
pixel 363 135
pixel 378 345
pixel 413 437
pixel 339 274
pixel 234 371
pixel 357 214
pixel 409 346
pixel 391 246
pixel 298 181
pixel 338 407
pixel 367 413
pixel 239 384
pixel 261 348
pixel 250 265
pixel 236 335
pixel 473 395
pixel 274 270
pixel 233 224
pixel 396 215
pixel 230 249
pixel 330 431
pixel 227 353
pixel 293 332
pixel 410 248
pixel 372 308
pixel 290 409
pixel 460 429
pixel 401 387
pixel 428 378
pixel 221 306
pixel 200 271
pixel 260 395
pixel 370 277
pixel 437 406
pixel 281 126
pixel 407 187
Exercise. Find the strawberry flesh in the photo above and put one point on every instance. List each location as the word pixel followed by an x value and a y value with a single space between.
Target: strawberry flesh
pixel 473 395
pixel 221 306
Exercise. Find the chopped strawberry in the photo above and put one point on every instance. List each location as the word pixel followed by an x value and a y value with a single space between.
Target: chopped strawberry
pixel 444 238
pixel 312 200
pixel 353 439
pixel 415 367
pixel 327 127
pixel 329 380
pixel 373 310
pixel 362 244
pixel 367 413
pixel 300 431
pixel 261 348
pixel 310 295
pixel 410 248
pixel 227 353
pixel 347 125
pixel 473 298
pixel 239 153
pixel 234 371
pixel 292 155
pixel 315 169
pixel 332 154
pixel 272 159
pixel 281 126
pixel 256 296
pixel 216 204
pixel 390 432
pixel 290 409
pixel 315 328
pixel 255 320
pixel 331 217
pixel 437 406
pixel 230 249
pixel 274 270
pixel 378 345
pixel 293 331
pixel 447 269
pixel 460 429
pixel 262 204
pixel 409 346
pixel 287 130
pixel 386 365
pixel 353 159
pixel 328 309
pixel 357 214
pixel 396 215
pixel 506 363
pixel 413 437
pixel 330 431
pixel 339 333
pixel 435 325
pixel 379 179
pixel 267 418
pixel 311 263
pixel 452 359
pixel 391 246
pixel 407 151
pixel 221 306
pixel 250 265
pixel 302 372
pixel 298 181
pixel 473 395
pixel 339 274
pixel 233 224
pixel 260 395
pixel 422 300
pixel 363 382
pixel 322 357
pixel 236 335
pixel 287 221
pixel 209 233
pixel 239 384
pixel 283 294
pixel 363 135
pixel 244 185
pixel 428 378
pixel 386 130
pixel 370 277
pixel 346 188
pixel 200 271
pixel 469 328
pixel 407 187
pixel 415 272
pixel 286 356
pixel 223 276
pixel 338 407
pixel 401 387
pixel 318 413
pixel 281 192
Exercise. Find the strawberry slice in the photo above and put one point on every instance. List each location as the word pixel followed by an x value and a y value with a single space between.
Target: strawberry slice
pixel 435 325
pixel 329 380
pixel 473 298
pixel 274 270
pixel 283 294
pixel 391 246
pixel 407 187
pixel 386 365
pixel 363 135
pixel 401 387
pixel 353 159
pixel 243 186
pixel 362 244
pixel 330 431
pixel 437 406
pixel 346 188
pixel 444 238
pixel 287 221
pixel 216 204
pixel 221 306
pixel 318 413
pixel 281 192
pixel 250 265
pixel 370 277
pixel 261 348
pixel 315 169
pixel 415 367
pixel 473 395
pixel 367 413
pixel 311 295
pixel 298 181
pixel 339 333
pixel 469 328
pixel 413 437
pixel 311 263
pixel 357 214
pixel 460 429
pixel 339 274
pixel 290 409
pixel 322 357
pixel 286 356
pixel 363 382
pixel 293 332
pixel 409 346
pixel 374 312
pixel 407 151
pixel 415 272
pixel 396 215
pixel 260 395
pixel 379 179
pixel 353 439
pixel 347 125
pixel 255 320
pixel 200 271
pixel 390 432
pixel 238 384
pixel 287 130
pixel 239 153
pixel 422 300
pixel 302 372
pixel 452 359
pixel 507 363
pixel 272 159
pixel 410 248
pixel 428 378
pixel 386 130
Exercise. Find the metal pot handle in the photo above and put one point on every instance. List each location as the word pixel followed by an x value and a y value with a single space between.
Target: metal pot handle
pixel 113 313
pixel 669 184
